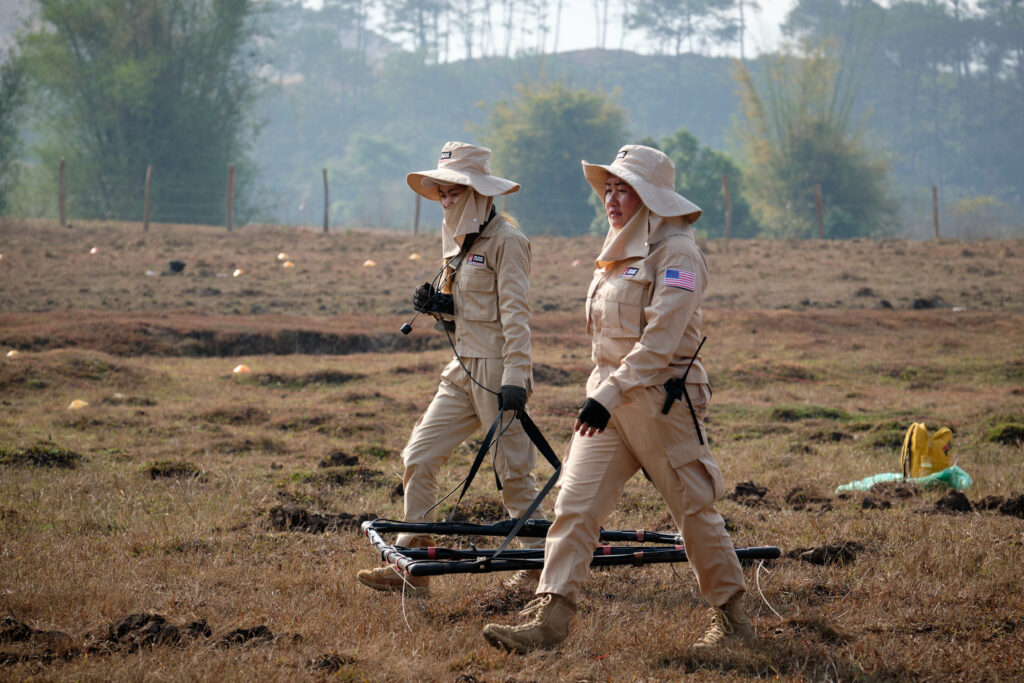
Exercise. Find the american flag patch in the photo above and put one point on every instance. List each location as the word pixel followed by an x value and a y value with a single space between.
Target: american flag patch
pixel 683 279
pixel 477 260
pixel 629 272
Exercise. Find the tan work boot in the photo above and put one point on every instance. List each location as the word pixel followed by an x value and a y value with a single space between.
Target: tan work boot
pixel 548 625
pixel 390 578
pixel 524 578
pixel 730 625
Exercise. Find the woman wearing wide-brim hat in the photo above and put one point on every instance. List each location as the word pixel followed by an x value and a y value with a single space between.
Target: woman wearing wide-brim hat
pixel 644 312
pixel 484 289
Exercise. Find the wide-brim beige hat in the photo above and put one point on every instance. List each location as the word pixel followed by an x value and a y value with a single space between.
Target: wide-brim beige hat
pixel 461 164
pixel 651 173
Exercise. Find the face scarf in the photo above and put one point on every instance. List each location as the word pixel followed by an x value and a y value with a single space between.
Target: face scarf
pixel 462 218
pixel 629 241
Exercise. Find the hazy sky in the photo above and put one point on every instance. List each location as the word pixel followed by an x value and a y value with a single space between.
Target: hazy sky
pixel 578 30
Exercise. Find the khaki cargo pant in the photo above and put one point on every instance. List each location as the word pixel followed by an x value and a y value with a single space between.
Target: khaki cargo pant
pixel 458 409
pixel 684 472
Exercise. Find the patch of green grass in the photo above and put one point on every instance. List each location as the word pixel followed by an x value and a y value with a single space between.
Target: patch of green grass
pixel 1007 433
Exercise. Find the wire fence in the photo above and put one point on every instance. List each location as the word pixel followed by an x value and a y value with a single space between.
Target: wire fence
pixel 923 213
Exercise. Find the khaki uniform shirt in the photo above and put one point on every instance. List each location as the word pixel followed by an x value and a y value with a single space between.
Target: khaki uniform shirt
pixel 645 317
pixel 491 292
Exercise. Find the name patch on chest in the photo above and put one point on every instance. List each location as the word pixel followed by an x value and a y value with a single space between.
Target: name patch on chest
pixel 683 279
pixel 629 273
pixel 477 260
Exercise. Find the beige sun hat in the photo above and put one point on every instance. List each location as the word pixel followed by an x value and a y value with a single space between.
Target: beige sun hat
pixel 461 164
pixel 651 173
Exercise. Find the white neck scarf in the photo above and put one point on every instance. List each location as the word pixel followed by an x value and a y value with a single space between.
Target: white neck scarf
pixel 629 241
pixel 462 218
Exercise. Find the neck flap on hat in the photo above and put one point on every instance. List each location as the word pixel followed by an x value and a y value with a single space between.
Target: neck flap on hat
pixel 462 218
pixel 663 226
pixel 629 241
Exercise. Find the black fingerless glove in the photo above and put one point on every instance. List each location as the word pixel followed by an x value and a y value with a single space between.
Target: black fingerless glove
pixel 422 297
pixel 594 414
pixel 443 303
pixel 511 397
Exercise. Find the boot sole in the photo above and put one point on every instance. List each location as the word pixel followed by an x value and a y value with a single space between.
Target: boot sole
pixel 499 642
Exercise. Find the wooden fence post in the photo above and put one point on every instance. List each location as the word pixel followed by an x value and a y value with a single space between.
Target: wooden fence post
pixel 416 216
pixel 935 209
pixel 326 203
pixel 61 194
pixel 231 197
pixel 820 210
pixel 145 205
pixel 728 205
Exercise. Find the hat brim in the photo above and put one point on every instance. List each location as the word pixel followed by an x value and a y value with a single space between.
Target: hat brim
pixel 486 185
pixel 659 200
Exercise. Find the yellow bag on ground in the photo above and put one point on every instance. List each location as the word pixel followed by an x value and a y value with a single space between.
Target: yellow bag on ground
pixel 920 455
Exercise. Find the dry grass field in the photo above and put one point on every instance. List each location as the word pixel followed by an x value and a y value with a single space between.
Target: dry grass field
pixel 190 523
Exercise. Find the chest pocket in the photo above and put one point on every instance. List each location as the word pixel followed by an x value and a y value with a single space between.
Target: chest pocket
pixel 623 307
pixel 479 300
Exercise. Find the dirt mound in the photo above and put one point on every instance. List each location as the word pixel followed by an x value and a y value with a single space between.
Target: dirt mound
pixel 331 662
pixel 40 455
pixel 896 489
pixel 143 629
pixel 1011 434
pixel 807 498
pixel 252 635
pixel 168 469
pixel 833 553
pixel 954 501
pixel 751 494
pixel 292 517
pixel 1013 506
pixel 339 459
pixel 26 644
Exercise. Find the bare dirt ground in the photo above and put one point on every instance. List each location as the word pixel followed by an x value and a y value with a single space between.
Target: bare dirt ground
pixel 194 523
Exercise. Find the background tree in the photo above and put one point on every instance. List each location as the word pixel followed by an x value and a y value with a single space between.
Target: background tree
pixel 126 83
pixel 673 22
pixel 12 91
pixel 797 135
pixel 539 138
pixel 699 172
